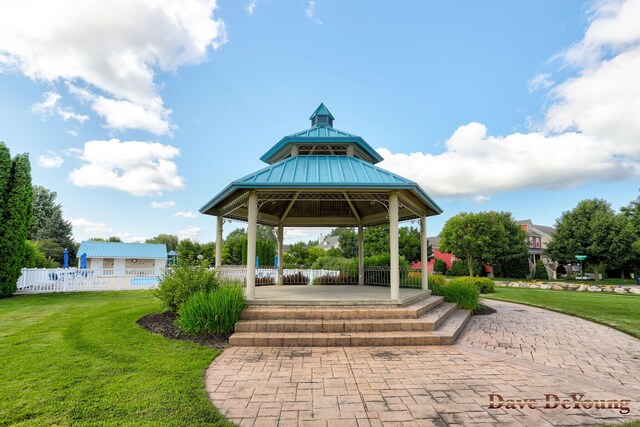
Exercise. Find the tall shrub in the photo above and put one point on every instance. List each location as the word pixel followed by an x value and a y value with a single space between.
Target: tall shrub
pixel 213 312
pixel 439 266
pixel 16 211
pixel 541 271
pixel 181 282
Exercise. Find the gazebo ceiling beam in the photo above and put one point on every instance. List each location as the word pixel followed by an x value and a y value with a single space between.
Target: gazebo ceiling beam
pixel 234 204
pixel 409 206
pixel 289 206
pixel 353 208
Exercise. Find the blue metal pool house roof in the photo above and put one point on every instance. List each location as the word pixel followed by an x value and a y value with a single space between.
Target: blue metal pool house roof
pixel 123 250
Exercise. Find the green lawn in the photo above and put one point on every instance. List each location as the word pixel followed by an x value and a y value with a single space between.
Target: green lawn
pixel 621 312
pixel 81 359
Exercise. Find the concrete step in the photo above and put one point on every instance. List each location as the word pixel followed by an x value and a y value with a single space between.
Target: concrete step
pixel 453 326
pixel 427 322
pixel 445 335
pixel 411 311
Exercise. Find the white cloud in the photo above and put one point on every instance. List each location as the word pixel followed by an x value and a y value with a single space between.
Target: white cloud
pixel 162 205
pixel 72 132
pixel 540 82
pixel 311 12
pixel 138 168
pixel 114 47
pixel 185 214
pixel 251 7
pixel 50 161
pixel 590 131
pixel 50 105
pixel 481 199
pixel 191 233
pixel 86 229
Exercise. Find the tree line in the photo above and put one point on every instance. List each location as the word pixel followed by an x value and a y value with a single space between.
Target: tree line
pixel 610 240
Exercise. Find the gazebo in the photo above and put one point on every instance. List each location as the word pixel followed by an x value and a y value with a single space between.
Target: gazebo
pixel 322 177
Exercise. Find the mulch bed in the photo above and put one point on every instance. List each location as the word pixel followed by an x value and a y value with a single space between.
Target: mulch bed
pixel 164 324
pixel 483 310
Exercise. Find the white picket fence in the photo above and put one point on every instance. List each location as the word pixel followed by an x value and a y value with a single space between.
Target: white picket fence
pixel 35 280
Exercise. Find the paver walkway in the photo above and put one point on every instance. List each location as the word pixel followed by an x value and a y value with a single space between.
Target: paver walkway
pixel 520 353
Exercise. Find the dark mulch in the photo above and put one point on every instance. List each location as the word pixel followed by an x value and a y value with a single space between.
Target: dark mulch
pixel 164 324
pixel 483 309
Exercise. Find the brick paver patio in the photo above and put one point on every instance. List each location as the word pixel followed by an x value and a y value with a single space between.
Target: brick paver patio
pixel 519 352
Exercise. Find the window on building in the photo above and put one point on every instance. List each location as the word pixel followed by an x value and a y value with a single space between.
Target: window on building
pixel 538 242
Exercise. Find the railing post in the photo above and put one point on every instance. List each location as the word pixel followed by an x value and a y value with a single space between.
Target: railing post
pixel 393 246
pixel 360 255
pixel 424 254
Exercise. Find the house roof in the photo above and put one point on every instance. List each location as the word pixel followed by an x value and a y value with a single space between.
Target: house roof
pixel 331 241
pixel 123 250
pixel 434 241
pixel 545 229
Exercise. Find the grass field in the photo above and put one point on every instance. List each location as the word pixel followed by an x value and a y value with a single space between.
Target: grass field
pixel 81 359
pixel 621 312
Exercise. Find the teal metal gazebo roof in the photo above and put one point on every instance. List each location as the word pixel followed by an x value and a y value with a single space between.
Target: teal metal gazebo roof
pixel 319 176
pixel 322 131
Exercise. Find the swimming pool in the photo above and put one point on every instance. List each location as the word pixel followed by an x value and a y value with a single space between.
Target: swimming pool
pixel 148 281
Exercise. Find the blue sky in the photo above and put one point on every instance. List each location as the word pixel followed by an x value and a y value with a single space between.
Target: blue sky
pixel 138 112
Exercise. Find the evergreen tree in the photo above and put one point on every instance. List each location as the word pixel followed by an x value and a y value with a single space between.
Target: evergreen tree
pixel 16 199
pixel 49 224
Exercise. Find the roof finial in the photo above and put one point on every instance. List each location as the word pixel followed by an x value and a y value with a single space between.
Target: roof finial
pixel 322 117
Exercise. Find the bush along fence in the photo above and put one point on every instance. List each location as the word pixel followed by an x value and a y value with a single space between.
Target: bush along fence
pixel 73 280
pixel 373 276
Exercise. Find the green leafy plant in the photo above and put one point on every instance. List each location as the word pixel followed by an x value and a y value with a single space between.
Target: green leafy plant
pixel 214 312
pixel 439 266
pixel 295 279
pixel 340 279
pixel 541 271
pixel 181 282
pixel 484 284
pixel 465 295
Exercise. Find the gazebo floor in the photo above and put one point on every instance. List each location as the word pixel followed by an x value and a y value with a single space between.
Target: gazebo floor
pixel 333 295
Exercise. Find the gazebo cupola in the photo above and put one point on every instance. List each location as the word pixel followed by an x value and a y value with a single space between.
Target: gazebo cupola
pixel 321 139
pixel 322 177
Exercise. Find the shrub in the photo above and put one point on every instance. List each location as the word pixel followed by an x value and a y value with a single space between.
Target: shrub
pixel 518 267
pixel 459 268
pixel 295 279
pixel 213 312
pixel 264 281
pixel 437 280
pixel 466 295
pixel 335 263
pixel 439 266
pixel 541 271
pixel 484 284
pixel 340 279
pixel 181 282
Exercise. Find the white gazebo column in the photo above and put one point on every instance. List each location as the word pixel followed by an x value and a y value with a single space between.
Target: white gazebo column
pixel 424 254
pixel 219 241
pixel 251 244
pixel 360 255
pixel 280 251
pixel 393 246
